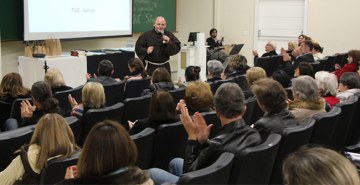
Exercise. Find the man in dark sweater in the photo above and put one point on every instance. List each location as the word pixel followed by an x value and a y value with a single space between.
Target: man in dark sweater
pixel 201 151
pixel 155 46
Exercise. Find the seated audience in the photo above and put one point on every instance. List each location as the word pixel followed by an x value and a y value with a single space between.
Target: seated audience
pixel 11 88
pixel 237 66
pixel 201 151
pixel 192 73
pixel 302 38
pixel 352 65
pixel 317 51
pixel 215 51
pixel 348 86
pixel 318 166
pixel 161 111
pixel 137 70
pixel 304 68
pixel 252 75
pixel 282 77
pixel 105 71
pixel 43 103
pixel 56 80
pixel 93 97
pixel 291 46
pixel 215 71
pixel 160 79
pixel 52 138
pixel 270 50
pixel 272 99
pixel 108 157
pixel 198 97
pixel 300 54
pixel 307 101
pixel 327 84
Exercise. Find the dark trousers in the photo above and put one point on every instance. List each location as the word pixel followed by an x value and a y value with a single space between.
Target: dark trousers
pixel 151 68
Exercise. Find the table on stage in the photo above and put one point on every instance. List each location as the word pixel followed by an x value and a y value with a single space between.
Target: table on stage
pixel 72 68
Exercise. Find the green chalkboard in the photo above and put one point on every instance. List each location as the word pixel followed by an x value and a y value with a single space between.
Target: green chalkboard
pixel 11 19
pixel 144 12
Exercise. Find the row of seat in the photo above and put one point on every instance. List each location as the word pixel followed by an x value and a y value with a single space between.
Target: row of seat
pixel 156 149
pixel 273 63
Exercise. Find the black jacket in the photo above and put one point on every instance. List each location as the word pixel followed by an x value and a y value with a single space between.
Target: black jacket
pixel 275 123
pixel 130 175
pixel 290 67
pixel 233 138
pixel 167 86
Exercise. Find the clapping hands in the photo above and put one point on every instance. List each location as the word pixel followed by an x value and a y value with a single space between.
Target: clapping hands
pixel 196 127
pixel 27 109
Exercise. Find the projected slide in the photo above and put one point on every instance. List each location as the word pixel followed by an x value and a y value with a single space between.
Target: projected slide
pixel 77 18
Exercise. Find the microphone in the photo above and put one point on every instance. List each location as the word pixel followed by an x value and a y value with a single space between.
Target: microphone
pixel 162 35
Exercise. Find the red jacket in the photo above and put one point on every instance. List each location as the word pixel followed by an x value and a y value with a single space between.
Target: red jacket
pixel 352 67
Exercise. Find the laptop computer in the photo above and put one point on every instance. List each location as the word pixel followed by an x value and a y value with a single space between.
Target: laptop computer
pixel 236 49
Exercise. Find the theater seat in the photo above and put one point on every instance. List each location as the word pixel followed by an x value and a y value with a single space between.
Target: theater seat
pixel 217 173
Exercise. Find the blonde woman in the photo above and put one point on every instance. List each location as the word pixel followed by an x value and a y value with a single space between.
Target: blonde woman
pixel 55 79
pixel 319 166
pixel 52 138
pixel 93 97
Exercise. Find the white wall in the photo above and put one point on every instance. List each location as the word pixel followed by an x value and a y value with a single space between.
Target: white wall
pixel 330 22
pixel 335 24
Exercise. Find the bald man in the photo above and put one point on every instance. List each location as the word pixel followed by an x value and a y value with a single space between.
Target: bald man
pixel 155 46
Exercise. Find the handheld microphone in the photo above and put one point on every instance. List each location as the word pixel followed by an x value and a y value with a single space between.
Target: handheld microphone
pixel 162 35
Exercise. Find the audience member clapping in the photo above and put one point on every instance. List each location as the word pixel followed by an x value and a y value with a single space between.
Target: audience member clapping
pixel 93 97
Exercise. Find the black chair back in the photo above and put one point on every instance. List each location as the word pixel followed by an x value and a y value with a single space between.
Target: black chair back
pixel 136 108
pixel 15 109
pixel 56 169
pixel 5 109
pixel 114 93
pixel 343 125
pixel 329 65
pixel 75 125
pixel 292 139
pixel 94 116
pixel 211 118
pixel 134 88
pixel 241 81
pixel 253 111
pixel 144 141
pixel 217 173
pixel 178 94
pixel 316 66
pixel 269 64
pixel 62 96
pixel 12 140
pixel 254 165
pixel 325 126
pixel 215 85
pixel 354 133
pixel 250 106
pixel 169 143
pixel 289 93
